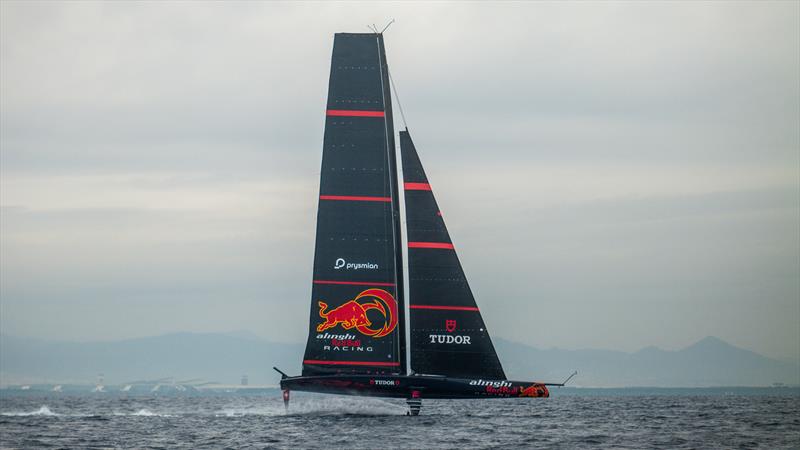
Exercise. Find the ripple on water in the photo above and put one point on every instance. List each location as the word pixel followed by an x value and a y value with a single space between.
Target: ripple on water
pixel 352 422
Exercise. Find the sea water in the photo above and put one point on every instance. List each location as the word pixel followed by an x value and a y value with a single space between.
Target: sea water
pixel 571 418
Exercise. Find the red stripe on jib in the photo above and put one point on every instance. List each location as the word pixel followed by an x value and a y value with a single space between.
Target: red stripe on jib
pixel 446 308
pixel 353 113
pixel 354 283
pixel 417 186
pixel 350 363
pixel 442 245
pixel 355 198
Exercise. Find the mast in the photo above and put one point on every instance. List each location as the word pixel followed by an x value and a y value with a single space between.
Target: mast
pixel 395 191
pixel 406 283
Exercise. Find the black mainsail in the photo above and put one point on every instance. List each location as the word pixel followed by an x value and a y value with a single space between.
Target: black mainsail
pixel 448 335
pixel 357 340
pixel 357 301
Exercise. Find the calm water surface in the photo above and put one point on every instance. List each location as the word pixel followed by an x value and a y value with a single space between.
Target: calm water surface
pixel 575 420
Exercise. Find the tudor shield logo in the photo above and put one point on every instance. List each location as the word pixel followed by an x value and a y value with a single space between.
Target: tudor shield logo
pixel 352 314
pixel 450 325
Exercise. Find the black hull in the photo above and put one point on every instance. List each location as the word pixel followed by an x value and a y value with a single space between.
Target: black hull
pixel 400 386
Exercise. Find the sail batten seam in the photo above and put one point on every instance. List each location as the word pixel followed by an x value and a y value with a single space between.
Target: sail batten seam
pixel 353 113
pixel 354 283
pixel 356 198
pixel 438 245
pixel 417 186
pixel 446 308
pixel 351 363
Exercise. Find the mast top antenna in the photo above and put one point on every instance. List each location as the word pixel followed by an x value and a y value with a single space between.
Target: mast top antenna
pixel 387 26
pixel 375 28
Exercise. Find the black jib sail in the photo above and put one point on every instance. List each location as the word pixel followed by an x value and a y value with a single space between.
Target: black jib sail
pixel 357 306
pixel 448 336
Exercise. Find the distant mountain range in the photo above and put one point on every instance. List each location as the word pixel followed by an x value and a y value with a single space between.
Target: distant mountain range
pixel 225 358
pixel 708 362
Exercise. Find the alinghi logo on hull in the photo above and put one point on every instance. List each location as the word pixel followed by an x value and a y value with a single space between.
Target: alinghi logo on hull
pixel 495 384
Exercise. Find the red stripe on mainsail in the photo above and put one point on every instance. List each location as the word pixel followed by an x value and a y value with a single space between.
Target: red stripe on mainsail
pixel 350 363
pixel 353 113
pixel 417 186
pixel 446 308
pixel 355 198
pixel 443 245
pixel 355 283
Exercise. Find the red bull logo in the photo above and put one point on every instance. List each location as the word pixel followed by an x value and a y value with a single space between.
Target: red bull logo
pixel 502 390
pixel 353 313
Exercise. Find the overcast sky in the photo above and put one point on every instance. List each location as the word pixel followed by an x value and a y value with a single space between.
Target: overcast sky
pixel 614 175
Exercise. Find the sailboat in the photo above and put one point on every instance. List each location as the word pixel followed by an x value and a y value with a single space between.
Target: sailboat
pixel 366 336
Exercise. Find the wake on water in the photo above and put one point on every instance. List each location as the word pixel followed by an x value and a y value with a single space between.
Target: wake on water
pixel 144 413
pixel 338 405
pixel 43 411
pixel 319 406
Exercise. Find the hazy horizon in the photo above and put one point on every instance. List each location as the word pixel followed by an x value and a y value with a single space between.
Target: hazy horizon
pixel 226 357
pixel 613 175
pixel 246 334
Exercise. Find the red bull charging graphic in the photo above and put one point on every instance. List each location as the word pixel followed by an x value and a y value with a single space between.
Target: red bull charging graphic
pixel 534 390
pixel 352 314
